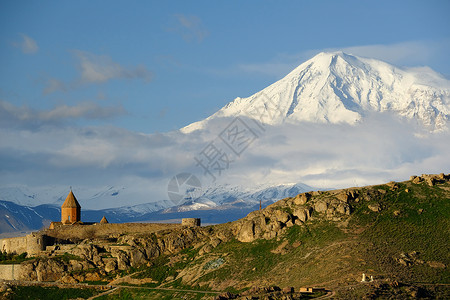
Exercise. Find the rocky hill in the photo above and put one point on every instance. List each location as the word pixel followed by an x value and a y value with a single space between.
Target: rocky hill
pixel 396 234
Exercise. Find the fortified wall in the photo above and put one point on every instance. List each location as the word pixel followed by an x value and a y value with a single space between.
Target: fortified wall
pixel 32 243
pixel 36 242
pixel 10 272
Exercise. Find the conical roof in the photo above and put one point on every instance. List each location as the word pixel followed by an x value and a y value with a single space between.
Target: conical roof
pixel 103 220
pixel 71 201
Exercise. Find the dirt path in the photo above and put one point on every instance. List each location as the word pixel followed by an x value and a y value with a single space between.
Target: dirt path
pixel 109 288
pixel 103 294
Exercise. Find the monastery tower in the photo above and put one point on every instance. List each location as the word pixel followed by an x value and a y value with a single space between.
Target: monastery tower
pixel 70 210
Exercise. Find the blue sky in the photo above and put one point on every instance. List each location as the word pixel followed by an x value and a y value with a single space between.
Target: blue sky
pixel 92 92
pixel 156 66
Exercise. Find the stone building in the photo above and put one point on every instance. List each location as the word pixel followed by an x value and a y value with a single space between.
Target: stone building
pixel 70 210
pixel 36 242
pixel 190 222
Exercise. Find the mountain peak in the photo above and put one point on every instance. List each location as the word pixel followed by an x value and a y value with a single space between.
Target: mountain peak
pixel 336 87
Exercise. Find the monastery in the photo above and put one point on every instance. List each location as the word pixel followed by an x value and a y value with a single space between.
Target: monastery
pixel 35 242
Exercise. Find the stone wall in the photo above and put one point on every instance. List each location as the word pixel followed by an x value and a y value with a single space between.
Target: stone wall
pixel 70 214
pixel 191 222
pixel 31 243
pixel 16 244
pixel 10 272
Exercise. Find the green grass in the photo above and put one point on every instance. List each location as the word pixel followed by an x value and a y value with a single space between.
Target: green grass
pixel 315 234
pixel 50 293
pixel 250 261
pixel 159 271
pixel 98 282
pixel 126 294
pixel 12 258
pixel 161 268
pixel 423 225
pixel 66 257
pixel 177 284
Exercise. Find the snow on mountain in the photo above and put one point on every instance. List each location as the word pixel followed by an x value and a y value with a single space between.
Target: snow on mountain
pixel 340 88
pixel 91 198
pixel 217 197
pixel 222 197
pixel 25 196
pixel 140 209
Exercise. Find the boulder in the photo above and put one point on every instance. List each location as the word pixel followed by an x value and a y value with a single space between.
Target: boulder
pixel 75 265
pixel 431 181
pixel 110 266
pixel 289 223
pixel 268 235
pixel 417 179
pixel 152 250
pixel 281 216
pixel 301 199
pixel 376 207
pixel 321 206
pixel 137 257
pixel 343 208
pixel 246 232
pixel 343 196
pixel 27 271
pixel 393 185
pixel 301 214
pixel 123 261
pixel 68 279
pixel 86 251
pixel 49 270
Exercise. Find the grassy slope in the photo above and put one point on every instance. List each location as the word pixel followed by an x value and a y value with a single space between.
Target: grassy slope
pixel 330 253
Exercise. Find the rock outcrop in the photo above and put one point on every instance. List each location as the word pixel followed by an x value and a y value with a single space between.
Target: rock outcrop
pixel 274 219
pixel 93 258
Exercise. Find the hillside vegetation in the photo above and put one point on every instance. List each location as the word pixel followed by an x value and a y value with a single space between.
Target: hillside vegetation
pixel 397 233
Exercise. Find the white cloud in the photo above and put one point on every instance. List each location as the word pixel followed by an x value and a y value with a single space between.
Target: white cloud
pixel 412 52
pixel 53 85
pixel 101 68
pixel 380 149
pixel 96 69
pixel 190 28
pixel 27 45
pixel 12 116
pixel 409 53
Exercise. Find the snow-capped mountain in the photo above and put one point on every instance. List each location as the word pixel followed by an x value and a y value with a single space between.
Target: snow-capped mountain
pixel 223 197
pixel 100 198
pixel 331 122
pixel 341 88
pixel 218 201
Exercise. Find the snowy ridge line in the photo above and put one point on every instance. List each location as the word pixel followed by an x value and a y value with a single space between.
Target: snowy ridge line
pixel 340 88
